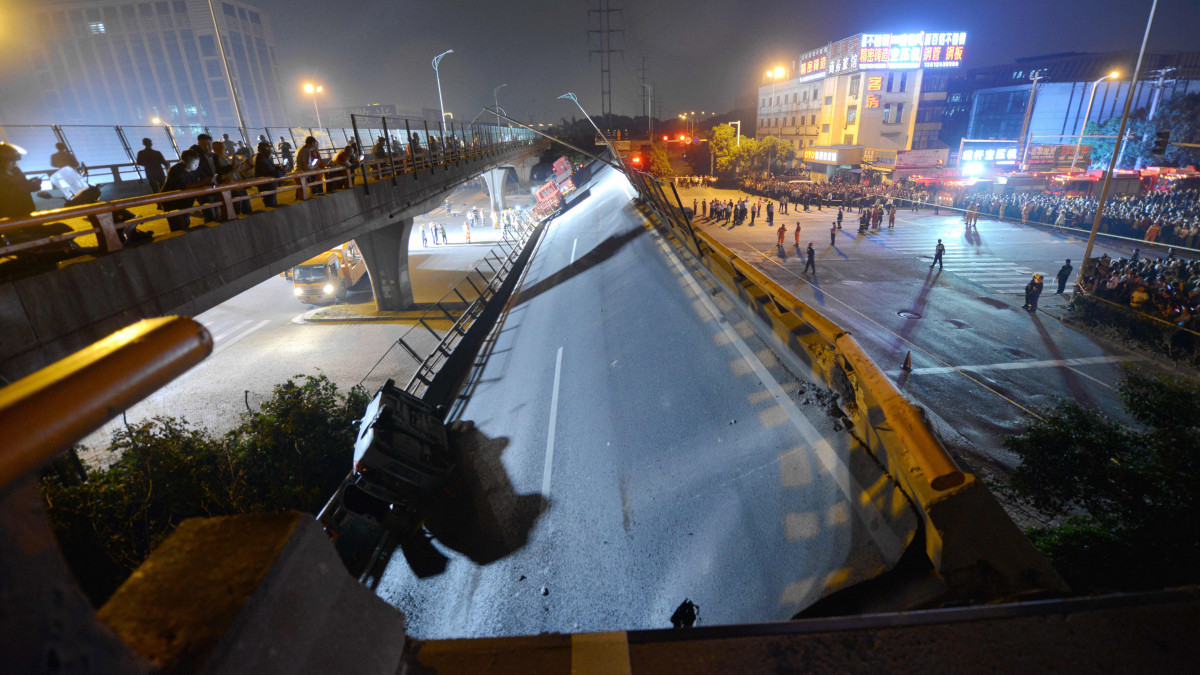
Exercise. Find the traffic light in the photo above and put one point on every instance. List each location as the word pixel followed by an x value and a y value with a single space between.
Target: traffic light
pixel 1161 139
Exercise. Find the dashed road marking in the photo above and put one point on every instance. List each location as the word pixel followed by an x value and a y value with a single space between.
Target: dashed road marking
pixel 553 422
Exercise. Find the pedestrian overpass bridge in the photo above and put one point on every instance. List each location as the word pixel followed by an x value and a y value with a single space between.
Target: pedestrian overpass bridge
pixel 52 304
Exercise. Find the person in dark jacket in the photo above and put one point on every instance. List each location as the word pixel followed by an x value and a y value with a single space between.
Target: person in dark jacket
pixel 206 168
pixel 15 200
pixel 64 157
pixel 185 175
pixel 154 164
pixel 265 167
pixel 1064 273
pixel 1033 290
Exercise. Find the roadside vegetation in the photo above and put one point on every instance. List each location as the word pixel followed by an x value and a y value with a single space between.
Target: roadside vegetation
pixel 291 454
pixel 1124 499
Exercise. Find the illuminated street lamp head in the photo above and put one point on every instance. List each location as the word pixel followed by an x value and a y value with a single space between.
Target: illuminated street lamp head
pixel 779 71
pixel 155 121
pixel 1114 74
pixel 438 59
pixel 313 89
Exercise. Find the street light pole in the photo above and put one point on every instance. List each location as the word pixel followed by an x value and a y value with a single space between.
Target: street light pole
pixel 1112 161
pixel 496 100
pixel 228 75
pixel 616 156
pixel 314 90
pixel 436 60
pixel 1086 116
pixel 649 107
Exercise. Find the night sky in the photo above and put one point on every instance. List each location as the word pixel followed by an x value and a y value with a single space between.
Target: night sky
pixel 699 54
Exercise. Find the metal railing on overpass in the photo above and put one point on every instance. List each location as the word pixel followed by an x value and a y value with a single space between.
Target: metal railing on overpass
pixel 51 236
pixel 109 152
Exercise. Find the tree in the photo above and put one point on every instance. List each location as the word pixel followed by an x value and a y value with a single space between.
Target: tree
pixel 1180 114
pixel 722 143
pixel 747 156
pixel 776 152
pixel 290 455
pixel 1127 495
pixel 658 162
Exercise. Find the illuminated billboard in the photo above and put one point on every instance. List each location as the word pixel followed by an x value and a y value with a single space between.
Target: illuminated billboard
pixel 843 55
pixel 813 64
pixel 909 51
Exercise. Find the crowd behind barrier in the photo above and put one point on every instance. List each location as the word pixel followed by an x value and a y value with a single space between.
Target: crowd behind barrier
pixel 1167 288
pixel 1170 218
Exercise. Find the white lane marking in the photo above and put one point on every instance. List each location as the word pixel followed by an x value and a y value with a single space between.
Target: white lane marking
pixel 1024 365
pixel 218 337
pixel 553 423
pixel 1083 374
pixel 239 336
pixel 573 244
pixel 886 540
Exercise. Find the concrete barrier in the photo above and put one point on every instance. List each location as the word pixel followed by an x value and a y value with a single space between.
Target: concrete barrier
pixel 975 548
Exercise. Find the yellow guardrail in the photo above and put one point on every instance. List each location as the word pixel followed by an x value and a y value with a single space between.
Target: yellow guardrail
pixel 977 550
pixel 45 412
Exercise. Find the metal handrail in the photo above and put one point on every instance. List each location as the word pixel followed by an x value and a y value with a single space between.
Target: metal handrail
pixel 107 229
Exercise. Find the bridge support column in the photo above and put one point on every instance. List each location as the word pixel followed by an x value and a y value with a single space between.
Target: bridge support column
pixel 385 251
pixel 495 179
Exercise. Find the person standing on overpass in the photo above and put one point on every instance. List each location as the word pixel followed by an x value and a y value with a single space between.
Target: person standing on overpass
pixel 154 163
pixel 796 234
pixel 833 228
pixel 937 255
pixel 812 261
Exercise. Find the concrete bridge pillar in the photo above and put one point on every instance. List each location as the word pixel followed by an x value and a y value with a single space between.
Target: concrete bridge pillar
pixel 524 168
pixel 494 179
pixel 385 251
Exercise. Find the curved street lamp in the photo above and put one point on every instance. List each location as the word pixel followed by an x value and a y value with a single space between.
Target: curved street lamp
pixel 496 100
pixel 571 95
pixel 1086 115
pixel 436 60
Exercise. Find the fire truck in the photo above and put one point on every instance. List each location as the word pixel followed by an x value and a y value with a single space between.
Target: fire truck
pixel 551 195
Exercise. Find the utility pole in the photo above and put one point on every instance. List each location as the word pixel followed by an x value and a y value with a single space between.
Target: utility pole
pixel 646 88
pixel 1035 76
pixel 604 13
pixel 1112 163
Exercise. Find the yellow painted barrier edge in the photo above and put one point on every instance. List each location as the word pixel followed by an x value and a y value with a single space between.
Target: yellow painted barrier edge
pixel 43 413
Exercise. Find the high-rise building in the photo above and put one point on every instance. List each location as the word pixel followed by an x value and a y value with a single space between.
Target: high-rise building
pixel 129 61
pixel 867 102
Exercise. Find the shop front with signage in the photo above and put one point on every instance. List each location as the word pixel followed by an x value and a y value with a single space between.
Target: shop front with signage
pixel 825 163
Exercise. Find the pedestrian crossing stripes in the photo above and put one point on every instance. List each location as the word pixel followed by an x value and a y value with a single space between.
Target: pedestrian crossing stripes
pixel 225 334
pixel 983 268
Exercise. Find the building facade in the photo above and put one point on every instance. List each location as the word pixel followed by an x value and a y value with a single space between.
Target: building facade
pixel 129 61
pixel 990 103
pixel 870 102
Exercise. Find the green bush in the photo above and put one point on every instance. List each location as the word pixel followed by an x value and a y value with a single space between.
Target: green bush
pixel 1129 493
pixel 290 455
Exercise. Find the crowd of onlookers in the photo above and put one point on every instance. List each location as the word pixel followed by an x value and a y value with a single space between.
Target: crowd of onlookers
pixel 210 163
pixel 833 193
pixel 695 181
pixel 1171 218
pixel 1168 287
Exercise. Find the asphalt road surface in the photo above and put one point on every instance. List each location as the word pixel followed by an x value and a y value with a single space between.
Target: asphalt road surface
pixel 980 362
pixel 634 442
